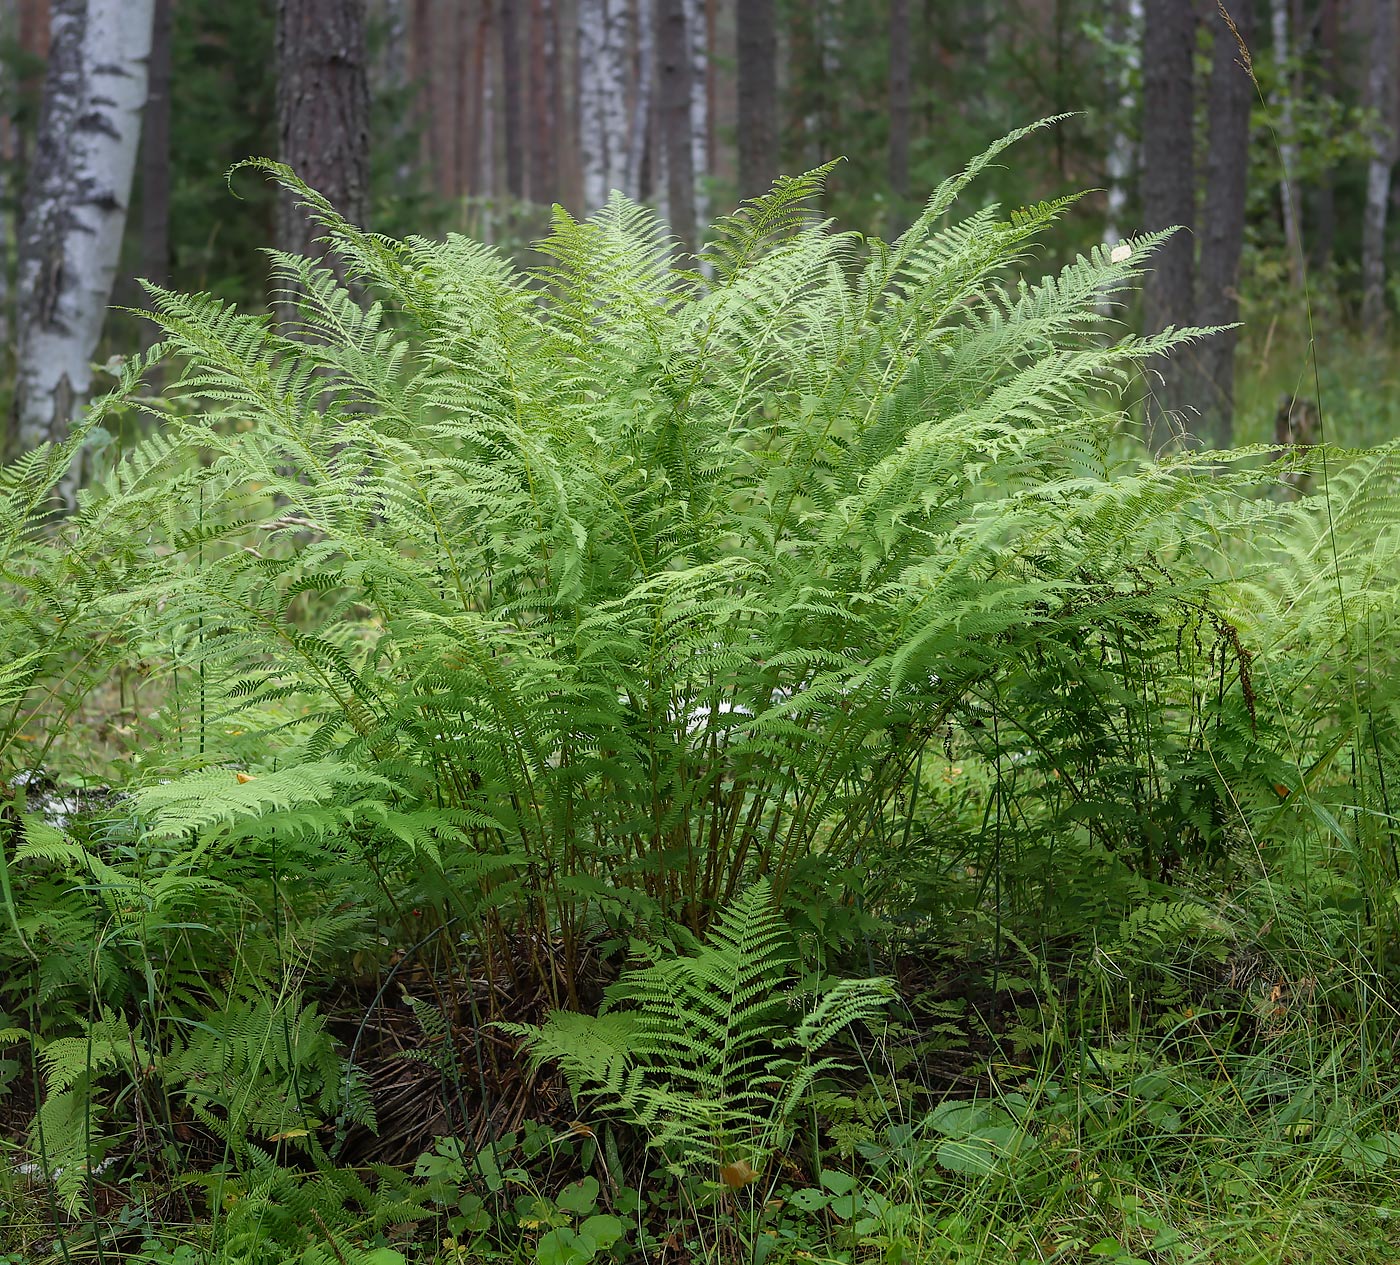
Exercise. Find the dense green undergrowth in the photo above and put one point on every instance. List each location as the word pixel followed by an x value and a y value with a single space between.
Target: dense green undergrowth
pixel 747 763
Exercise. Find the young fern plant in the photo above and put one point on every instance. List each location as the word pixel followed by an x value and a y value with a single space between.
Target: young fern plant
pixel 712 1053
pixel 633 583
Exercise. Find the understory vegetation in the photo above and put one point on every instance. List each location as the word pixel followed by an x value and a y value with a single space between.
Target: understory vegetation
pixel 740 763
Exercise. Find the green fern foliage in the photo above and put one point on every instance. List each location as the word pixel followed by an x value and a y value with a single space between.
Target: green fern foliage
pixel 711 1054
pixel 631 583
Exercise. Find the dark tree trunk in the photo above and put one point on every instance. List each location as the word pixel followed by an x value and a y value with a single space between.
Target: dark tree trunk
pixel 899 111
pixel 514 106
pixel 155 162
pixel 758 97
pixel 1222 224
pixel 544 74
pixel 1168 195
pixel 322 111
pixel 674 89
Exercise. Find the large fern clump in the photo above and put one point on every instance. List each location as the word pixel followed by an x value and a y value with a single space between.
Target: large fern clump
pixel 589 593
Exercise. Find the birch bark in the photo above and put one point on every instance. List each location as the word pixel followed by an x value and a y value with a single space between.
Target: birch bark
pixel 75 206
pixel 602 95
pixel 1380 98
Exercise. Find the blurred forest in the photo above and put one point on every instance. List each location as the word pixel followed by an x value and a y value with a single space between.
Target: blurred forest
pixel 476 116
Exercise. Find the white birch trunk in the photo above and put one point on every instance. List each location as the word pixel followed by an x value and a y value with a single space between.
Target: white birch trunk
pixel 76 203
pixel 1380 99
pixel 697 35
pixel 616 77
pixel 1288 144
pixel 603 82
pixel 593 154
pixel 1126 31
pixel 9 34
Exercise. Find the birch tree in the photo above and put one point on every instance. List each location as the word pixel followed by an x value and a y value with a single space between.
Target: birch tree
pixel 75 205
pixel 698 41
pixel 602 98
pixel 1124 34
pixel 1380 99
pixel 1288 145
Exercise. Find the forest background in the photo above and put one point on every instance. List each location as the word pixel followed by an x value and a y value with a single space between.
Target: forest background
pixel 544 718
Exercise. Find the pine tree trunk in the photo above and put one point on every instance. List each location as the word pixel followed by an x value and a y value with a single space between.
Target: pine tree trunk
pixel 673 52
pixel 514 108
pixel 1168 195
pixel 1222 225
pixel 155 162
pixel 899 41
pixel 1380 98
pixel 75 206
pixel 758 96
pixel 643 106
pixel 543 184
pixel 322 112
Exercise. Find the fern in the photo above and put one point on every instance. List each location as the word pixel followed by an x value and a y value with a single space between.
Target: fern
pixel 708 1053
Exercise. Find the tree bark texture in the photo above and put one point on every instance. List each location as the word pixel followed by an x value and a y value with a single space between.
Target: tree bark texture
pixel 75 205
pixel 697 34
pixel 1289 198
pixel 1380 98
pixel 9 153
pixel 602 97
pixel 543 181
pixel 757 39
pixel 511 83
pixel 1168 194
pixel 1222 223
pixel 155 162
pixel 673 79
pixel 322 112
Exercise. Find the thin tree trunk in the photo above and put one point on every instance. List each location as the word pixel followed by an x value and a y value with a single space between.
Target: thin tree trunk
pixel 758 96
pixel 673 51
pixel 155 163
pixel 1168 194
pixel 1323 204
pixel 1125 31
pixel 75 207
pixel 697 40
pixel 510 84
pixel 1380 92
pixel 899 112
pixel 544 72
pixel 1288 144
pixel 643 105
pixel 1222 223
pixel 322 112
pixel 592 22
pixel 9 32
